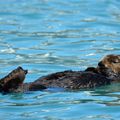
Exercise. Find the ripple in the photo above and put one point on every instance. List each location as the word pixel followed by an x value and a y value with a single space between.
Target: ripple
pixel 46 36
pixel 10 50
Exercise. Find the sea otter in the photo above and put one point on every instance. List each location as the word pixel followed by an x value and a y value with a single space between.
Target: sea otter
pixel 105 73
pixel 13 82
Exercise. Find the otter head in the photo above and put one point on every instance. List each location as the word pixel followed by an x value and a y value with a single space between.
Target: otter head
pixel 110 62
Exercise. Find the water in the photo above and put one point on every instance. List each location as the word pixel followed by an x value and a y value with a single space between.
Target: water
pixel 46 36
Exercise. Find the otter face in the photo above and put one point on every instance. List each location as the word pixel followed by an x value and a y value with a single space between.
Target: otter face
pixel 111 62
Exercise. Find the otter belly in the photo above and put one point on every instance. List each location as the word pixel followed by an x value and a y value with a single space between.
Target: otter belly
pixel 73 80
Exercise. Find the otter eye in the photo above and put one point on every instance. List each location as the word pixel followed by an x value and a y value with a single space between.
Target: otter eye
pixel 116 61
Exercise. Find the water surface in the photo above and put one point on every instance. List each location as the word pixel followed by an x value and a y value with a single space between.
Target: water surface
pixel 46 36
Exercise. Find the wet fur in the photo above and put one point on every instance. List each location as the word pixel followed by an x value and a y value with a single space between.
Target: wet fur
pixel 13 80
pixel 105 73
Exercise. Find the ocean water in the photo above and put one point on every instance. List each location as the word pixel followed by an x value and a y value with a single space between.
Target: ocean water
pixel 47 36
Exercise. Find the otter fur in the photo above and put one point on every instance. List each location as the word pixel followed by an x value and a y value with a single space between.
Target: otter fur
pixel 105 73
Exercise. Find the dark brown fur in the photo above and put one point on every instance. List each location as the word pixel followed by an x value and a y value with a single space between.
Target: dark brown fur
pixel 13 80
pixel 105 73
pixel 73 80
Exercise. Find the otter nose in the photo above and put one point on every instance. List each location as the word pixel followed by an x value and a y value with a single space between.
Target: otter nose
pixel 100 64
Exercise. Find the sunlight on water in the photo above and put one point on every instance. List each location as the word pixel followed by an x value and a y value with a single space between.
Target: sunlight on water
pixel 46 36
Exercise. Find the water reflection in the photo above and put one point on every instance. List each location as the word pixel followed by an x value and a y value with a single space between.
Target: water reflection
pixel 46 36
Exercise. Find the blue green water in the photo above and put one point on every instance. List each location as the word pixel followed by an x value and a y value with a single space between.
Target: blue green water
pixel 46 36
